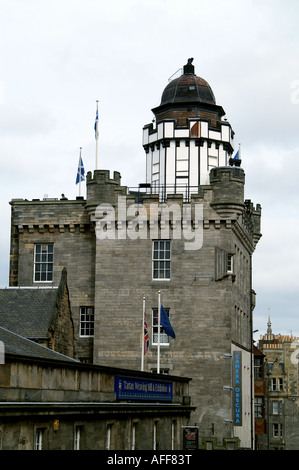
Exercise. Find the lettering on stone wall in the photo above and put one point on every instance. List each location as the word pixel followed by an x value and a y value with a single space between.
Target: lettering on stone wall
pixel 237 388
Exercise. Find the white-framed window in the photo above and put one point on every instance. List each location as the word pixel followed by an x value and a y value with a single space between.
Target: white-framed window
pixel 224 263
pixel 164 338
pixel 161 259
pixel 277 430
pixel 276 407
pixel 43 262
pixel 258 407
pixel 86 321
pixel 276 384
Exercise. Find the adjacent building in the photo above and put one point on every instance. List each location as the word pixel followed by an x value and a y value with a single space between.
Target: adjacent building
pixel 282 392
pixel 185 236
pixel 260 398
pixel 49 401
pixel 41 314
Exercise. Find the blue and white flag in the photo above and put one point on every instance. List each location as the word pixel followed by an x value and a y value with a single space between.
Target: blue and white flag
pixel 80 172
pixel 236 157
pixel 164 320
pixel 96 125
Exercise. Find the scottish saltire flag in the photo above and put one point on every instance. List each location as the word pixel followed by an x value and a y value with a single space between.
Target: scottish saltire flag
pixel 146 336
pixel 236 157
pixel 80 172
pixel 96 124
pixel 164 321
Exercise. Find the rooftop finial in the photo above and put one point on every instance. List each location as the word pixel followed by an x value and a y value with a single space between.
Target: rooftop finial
pixel 189 68
pixel 269 329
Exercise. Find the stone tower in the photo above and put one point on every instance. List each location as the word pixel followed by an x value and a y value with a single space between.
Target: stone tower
pixel 187 236
pixel 192 184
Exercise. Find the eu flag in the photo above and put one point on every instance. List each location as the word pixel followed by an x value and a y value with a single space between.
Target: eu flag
pixel 164 320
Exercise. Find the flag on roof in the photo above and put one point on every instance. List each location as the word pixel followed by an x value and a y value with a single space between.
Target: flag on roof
pixel 96 125
pixel 80 172
pixel 164 321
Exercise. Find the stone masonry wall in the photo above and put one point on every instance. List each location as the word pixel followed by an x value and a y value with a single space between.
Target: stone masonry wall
pixel 203 312
pixel 67 225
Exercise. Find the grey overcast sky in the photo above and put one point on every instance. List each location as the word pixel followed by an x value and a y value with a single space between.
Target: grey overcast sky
pixel 57 57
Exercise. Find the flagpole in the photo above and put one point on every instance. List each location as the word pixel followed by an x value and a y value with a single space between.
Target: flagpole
pixel 142 342
pixel 96 134
pixel 159 315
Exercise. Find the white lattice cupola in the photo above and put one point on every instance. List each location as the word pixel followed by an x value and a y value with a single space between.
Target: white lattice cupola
pixel 188 137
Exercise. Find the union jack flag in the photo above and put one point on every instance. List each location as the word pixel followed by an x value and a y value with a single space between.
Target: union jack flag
pixel 146 336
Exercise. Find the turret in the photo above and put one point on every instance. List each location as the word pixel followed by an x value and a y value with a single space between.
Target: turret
pixel 100 188
pixel 189 137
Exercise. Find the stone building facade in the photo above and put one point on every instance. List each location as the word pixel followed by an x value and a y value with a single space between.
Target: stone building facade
pixel 186 236
pixel 282 387
pixel 260 398
pixel 51 402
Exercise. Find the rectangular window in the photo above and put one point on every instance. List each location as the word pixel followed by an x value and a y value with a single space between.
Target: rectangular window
pixel 276 407
pixel 43 262
pixel 258 367
pixel 258 407
pixel 277 430
pixel 161 259
pixel 164 338
pixel 277 384
pixel 273 385
pixel 86 321
pixel 280 384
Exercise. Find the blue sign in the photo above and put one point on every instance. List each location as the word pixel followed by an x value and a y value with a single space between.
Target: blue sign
pixel 237 388
pixel 128 388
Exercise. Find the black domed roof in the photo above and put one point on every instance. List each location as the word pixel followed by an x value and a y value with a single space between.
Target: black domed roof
pixel 188 88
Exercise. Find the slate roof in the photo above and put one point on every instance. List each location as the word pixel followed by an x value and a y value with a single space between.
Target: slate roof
pixel 27 311
pixel 18 346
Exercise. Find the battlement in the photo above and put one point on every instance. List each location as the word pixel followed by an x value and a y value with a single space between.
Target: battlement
pixel 100 188
pixel 275 340
pixel 103 177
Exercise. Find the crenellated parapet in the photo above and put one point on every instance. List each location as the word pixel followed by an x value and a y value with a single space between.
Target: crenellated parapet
pixel 228 190
pixel 101 188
